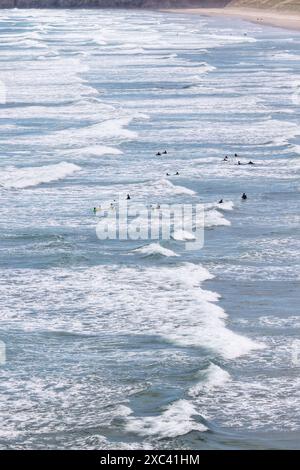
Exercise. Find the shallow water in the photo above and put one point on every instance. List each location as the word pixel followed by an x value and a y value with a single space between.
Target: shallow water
pixel 143 344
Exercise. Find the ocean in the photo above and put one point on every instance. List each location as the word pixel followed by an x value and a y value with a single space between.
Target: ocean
pixel 143 344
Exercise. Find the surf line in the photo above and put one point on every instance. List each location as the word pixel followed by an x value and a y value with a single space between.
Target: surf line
pixel 111 460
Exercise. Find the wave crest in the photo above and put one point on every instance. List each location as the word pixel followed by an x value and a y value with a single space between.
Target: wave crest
pixel 19 178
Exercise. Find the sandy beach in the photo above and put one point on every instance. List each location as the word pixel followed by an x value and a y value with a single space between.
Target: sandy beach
pixel 287 20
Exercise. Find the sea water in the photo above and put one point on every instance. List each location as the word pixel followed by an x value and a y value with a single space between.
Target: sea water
pixel 143 344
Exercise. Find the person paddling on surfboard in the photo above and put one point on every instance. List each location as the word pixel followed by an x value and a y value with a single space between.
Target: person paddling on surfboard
pixel 244 196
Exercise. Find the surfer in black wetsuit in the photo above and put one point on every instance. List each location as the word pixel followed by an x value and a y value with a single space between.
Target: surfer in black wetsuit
pixel 251 163
pixel 176 174
pixel 220 201
pixel 165 152
pixel 244 196
pixel 128 197
pixel 158 154
pixel 225 159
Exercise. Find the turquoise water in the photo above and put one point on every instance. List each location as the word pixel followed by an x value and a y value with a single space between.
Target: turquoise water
pixel 143 344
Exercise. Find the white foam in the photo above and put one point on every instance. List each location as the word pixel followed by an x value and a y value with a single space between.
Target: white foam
pixel 99 39
pixel 222 39
pixel 112 128
pixel 155 249
pixel 225 206
pixel 152 191
pixel 165 184
pixel 200 69
pixel 180 311
pixel 126 48
pixel 107 130
pixel 264 401
pixel 27 43
pixel 296 149
pixel 213 218
pixel 280 141
pixel 176 420
pixel 214 377
pixel 97 150
pixel 285 55
pixel 183 235
pixel 272 321
pixel 205 68
pixel 13 177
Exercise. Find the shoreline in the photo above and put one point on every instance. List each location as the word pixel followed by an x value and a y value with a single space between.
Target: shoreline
pixel 285 20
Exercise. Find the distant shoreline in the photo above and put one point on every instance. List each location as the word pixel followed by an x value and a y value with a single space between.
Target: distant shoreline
pixel 286 20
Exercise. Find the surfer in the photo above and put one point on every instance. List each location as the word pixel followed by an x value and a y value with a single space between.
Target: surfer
pixel 225 159
pixel 244 196
pixel 167 174
pixel 176 174
pixel 165 152
pixel 220 201
pixel 251 163
pixel 158 154
pixel 128 197
pixel 95 210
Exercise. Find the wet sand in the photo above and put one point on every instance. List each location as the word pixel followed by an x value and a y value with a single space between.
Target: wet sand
pixel 287 20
